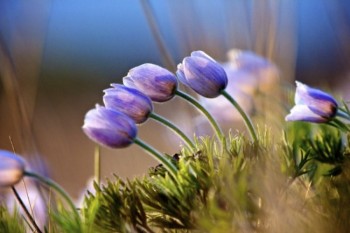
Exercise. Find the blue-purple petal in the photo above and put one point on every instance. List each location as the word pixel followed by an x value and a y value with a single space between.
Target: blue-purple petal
pixel 303 113
pixel 109 128
pixel 128 101
pixel 202 54
pixel 318 101
pixel 11 168
pixel 156 82
pixel 205 77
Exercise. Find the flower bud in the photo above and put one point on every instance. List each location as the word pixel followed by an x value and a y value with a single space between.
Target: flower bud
pixel 203 74
pixel 312 105
pixel 11 168
pixel 129 101
pixel 109 127
pixel 156 82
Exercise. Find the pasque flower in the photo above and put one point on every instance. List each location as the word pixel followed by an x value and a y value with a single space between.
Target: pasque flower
pixel 312 105
pixel 251 71
pixel 109 127
pixel 11 168
pixel 203 74
pixel 116 130
pixel 129 101
pixel 158 83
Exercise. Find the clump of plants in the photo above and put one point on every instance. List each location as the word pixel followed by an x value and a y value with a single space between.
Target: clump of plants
pixel 298 180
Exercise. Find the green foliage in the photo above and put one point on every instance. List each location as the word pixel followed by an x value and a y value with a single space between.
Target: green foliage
pixel 10 223
pixel 298 183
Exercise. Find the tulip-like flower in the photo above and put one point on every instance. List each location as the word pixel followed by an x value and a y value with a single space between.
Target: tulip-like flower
pixel 158 83
pixel 312 105
pixel 128 101
pixel 109 127
pixel 203 74
pixel 11 168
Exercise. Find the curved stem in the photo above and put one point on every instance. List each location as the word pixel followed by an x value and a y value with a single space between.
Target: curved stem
pixel 56 187
pixel 158 156
pixel 341 113
pixel 195 103
pixel 339 124
pixel 246 118
pixel 31 219
pixel 173 127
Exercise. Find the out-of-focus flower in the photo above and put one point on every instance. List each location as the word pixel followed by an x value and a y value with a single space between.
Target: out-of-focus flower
pixel 109 127
pixel 128 101
pixel 312 105
pixel 246 73
pixel 203 74
pixel 251 71
pixel 11 168
pixel 158 83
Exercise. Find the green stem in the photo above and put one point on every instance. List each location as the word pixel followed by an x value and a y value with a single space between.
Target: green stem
pixel 97 164
pixel 339 124
pixel 31 219
pixel 158 156
pixel 195 103
pixel 174 128
pixel 343 114
pixel 56 187
pixel 245 117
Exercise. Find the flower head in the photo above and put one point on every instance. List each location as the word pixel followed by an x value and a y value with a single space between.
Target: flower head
pixel 128 101
pixel 11 168
pixel 109 127
pixel 203 74
pixel 312 105
pixel 254 71
pixel 156 82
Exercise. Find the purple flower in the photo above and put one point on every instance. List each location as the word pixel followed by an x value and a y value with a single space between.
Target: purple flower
pixel 156 82
pixel 128 101
pixel 253 71
pixel 312 105
pixel 109 127
pixel 11 168
pixel 203 74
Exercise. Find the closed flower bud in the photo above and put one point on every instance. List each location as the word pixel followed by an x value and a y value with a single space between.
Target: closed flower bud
pixel 11 168
pixel 109 127
pixel 203 74
pixel 156 82
pixel 128 101
pixel 312 105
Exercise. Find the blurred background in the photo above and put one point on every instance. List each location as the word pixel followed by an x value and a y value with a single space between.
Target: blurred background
pixel 56 57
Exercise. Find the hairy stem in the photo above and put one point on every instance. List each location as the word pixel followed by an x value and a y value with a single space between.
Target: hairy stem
pixel 245 117
pixel 158 156
pixel 173 127
pixel 211 120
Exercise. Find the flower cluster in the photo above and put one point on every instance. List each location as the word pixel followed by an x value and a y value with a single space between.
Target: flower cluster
pixel 115 124
pixel 127 105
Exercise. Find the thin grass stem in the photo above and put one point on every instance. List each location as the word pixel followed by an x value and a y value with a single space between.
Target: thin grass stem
pixel 30 217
